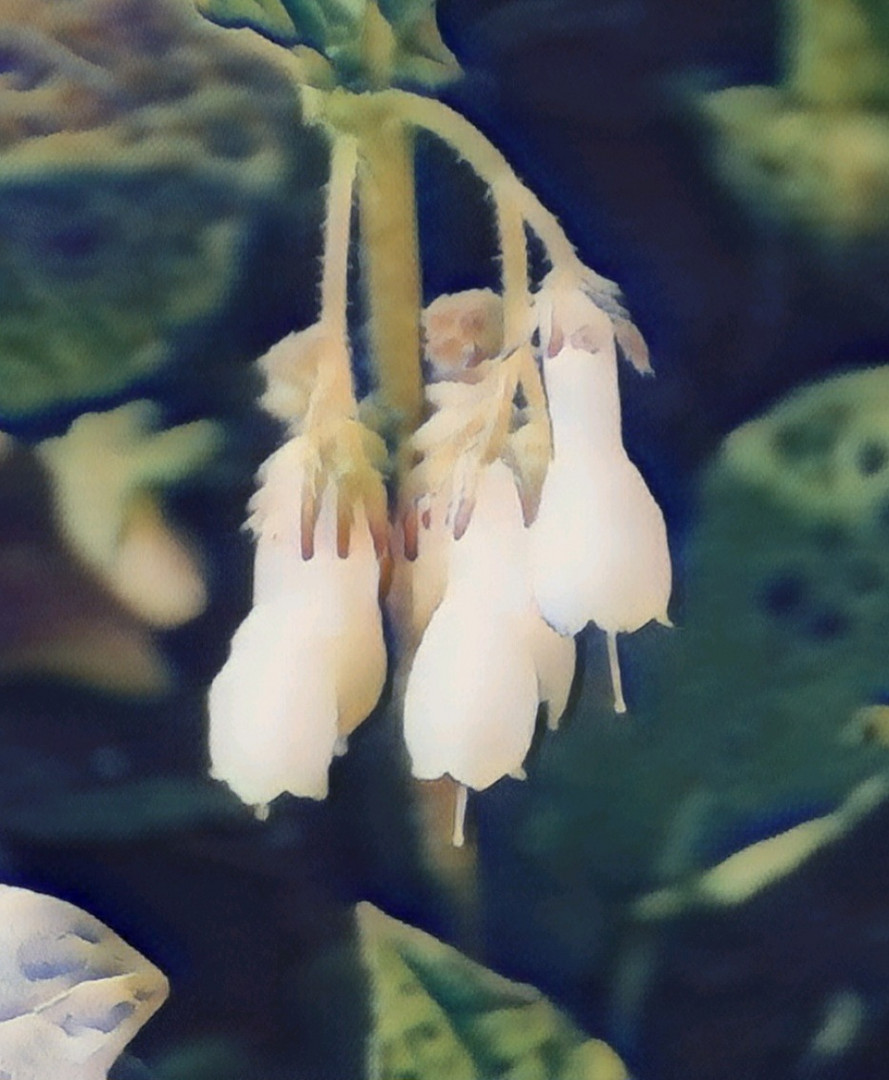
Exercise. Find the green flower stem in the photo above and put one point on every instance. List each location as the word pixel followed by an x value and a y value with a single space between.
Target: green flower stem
pixel 470 144
pixel 517 299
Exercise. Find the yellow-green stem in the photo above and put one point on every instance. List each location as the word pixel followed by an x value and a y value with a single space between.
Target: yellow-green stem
pixel 390 266
pixel 489 163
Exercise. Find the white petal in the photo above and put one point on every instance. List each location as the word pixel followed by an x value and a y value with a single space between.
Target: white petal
pixel 555 657
pixel 599 544
pixel 490 561
pixel 273 715
pixel 418 585
pixel 471 697
pixel 560 539
pixel 360 662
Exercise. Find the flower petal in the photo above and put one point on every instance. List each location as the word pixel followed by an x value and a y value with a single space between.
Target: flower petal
pixel 273 711
pixel 471 698
pixel 599 543
pixel 555 657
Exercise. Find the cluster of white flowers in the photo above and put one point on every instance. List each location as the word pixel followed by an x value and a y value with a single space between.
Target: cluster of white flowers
pixel 489 583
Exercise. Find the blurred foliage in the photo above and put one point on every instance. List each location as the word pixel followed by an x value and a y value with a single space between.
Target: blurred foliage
pixel 759 713
pixel 815 148
pixel 138 145
pixel 439 1015
pixel 123 812
pixel 366 44
pixel 214 1058
pixel 59 619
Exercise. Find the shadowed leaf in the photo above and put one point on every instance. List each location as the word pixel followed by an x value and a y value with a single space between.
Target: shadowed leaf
pixel 439 1014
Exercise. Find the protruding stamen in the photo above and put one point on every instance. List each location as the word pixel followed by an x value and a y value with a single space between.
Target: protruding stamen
pixel 460 815
pixel 620 706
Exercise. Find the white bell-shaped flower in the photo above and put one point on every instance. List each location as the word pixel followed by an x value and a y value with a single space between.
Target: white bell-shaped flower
pixel 309 662
pixel 472 693
pixel 273 710
pixel 599 543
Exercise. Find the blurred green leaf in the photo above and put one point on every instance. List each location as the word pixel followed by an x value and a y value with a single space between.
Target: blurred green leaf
pixel 289 21
pixel 128 188
pixel 368 44
pixel 150 806
pixel 440 1015
pixel 269 17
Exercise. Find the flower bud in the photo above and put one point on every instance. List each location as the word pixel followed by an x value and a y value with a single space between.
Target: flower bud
pixel 460 330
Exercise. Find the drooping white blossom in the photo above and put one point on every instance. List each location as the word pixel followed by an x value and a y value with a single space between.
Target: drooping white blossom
pixel 480 656
pixel 599 543
pixel 308 664
pixel 471 697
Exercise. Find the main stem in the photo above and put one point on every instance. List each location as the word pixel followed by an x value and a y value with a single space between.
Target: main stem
pixel 391 267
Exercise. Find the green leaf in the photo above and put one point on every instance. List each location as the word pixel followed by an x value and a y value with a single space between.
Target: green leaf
pixel 137 810
pixel 72 993
pixel 421 56
pixel 320 24
pixel 127 193
pixel 348 34
pixel 440 1015
pixel 268 17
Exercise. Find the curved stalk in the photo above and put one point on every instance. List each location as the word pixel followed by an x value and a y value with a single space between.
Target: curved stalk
pixel 517 297
pixel 486 160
